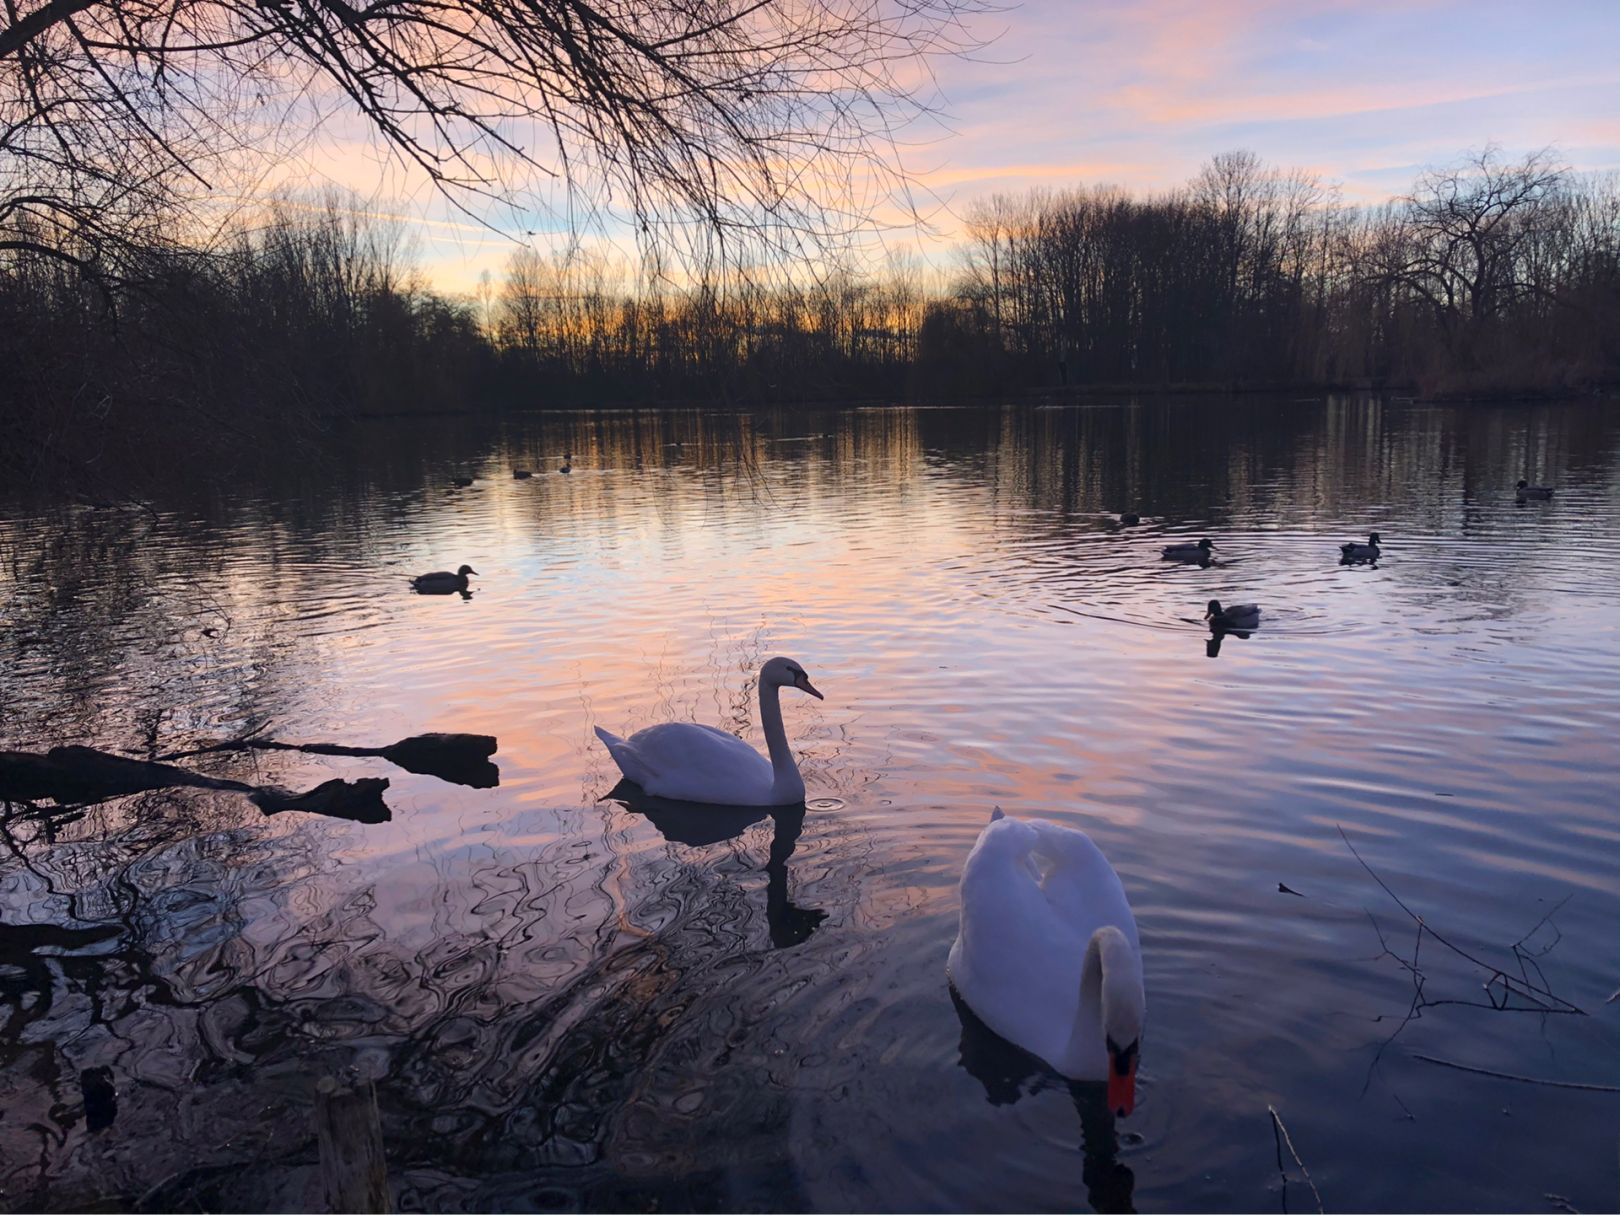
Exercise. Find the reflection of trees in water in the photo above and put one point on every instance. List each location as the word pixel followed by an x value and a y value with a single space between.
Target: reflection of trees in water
pixel 1292 461
pixel 566 1020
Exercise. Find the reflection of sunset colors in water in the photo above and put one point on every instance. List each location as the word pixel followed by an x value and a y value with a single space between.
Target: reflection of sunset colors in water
pixel 571 1003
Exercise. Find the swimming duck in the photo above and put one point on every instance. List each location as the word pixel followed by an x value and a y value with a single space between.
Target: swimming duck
pixel 1189 552
pixel 442 582
pixel 1362 552
pixel 461 482
pixel 1238 616
pixel 1526 490
pixel 567 466
pixel 521 474
pixel 1130 518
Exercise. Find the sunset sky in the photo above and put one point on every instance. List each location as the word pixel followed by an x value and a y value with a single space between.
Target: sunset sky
pixel 1139 93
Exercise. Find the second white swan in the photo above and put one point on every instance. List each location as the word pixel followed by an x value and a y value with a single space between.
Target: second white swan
pixel 687 762
pixel 1048 954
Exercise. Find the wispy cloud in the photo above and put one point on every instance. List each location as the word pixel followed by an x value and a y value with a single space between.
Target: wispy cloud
pixel 1138 93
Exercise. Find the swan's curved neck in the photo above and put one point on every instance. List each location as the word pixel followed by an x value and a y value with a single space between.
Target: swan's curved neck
pixel 1111 962
pixel 1089 1025
pixel 784 768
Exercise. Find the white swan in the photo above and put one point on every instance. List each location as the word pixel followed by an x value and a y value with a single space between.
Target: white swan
pixel 687 762
pixel 1048 955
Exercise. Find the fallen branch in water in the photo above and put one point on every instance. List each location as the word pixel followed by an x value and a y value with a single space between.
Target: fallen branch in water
pixel 1485 1071
pixel 1540 996
pixel 73 777
pixel 460 758
pixel 1279 1134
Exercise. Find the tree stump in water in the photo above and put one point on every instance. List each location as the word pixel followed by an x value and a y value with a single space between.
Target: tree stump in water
pixel 354 1172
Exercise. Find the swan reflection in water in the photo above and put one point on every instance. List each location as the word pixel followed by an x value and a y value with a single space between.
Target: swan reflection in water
pixel 1008 1073
pixel 698 826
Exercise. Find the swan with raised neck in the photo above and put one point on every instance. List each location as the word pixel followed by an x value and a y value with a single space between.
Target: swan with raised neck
pixel 684 761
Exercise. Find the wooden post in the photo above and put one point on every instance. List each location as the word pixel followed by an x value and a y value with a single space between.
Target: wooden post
pixel 354 1172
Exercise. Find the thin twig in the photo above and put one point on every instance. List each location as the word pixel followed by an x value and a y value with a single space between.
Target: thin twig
pixel 1279 1134
pixel 1485 1071
pixel 1522 988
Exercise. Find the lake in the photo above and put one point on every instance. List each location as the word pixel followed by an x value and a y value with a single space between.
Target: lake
pixel 566 1003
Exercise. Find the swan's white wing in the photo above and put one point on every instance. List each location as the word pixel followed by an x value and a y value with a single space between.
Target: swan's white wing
pixel 1016 962
pixel 688 762
pixel 1080 885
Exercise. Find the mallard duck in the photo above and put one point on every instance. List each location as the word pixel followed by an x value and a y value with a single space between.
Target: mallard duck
pixel 521 474
pixel 1361 552
pixel 442 582
pixel 461 482
pixel 1238 616
pixel 1130 518
pixel 1189 552
pixel 1526 490
pixel 567 466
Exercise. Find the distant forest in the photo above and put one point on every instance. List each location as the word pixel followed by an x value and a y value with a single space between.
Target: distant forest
pixel 1492 277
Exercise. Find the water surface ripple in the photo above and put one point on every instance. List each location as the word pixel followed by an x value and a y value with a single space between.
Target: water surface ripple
pixel 567 1004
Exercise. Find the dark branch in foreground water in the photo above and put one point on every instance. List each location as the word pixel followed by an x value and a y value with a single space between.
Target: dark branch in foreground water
pixel 1539 995
pixel 1485 1071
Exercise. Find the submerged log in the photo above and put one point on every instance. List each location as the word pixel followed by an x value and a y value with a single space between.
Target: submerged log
pixel 358 801
pixel 354 1171
pixel 75 776
pixel 83 774
pixel 462 759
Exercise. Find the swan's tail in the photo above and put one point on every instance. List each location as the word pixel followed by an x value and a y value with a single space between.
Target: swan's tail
pixel 623 754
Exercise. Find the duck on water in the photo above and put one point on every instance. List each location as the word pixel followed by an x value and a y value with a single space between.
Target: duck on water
pixel 1356 551
pixel 1198 551
pixel 442 582
pixel 1238 616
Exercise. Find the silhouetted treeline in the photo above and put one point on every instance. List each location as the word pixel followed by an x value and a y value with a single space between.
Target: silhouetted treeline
pixel 1493 277
pixel 311 315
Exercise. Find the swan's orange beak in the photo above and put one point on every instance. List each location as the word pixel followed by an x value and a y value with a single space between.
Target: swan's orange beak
pixel 1122 1086
pixel 802 682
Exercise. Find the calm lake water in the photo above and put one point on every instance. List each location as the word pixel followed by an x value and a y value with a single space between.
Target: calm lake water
pixel 566 1004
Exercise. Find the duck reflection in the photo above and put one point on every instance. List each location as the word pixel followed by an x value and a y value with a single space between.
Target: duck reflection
pixel 1212 643
pixel 698 826
pixel 1008 1073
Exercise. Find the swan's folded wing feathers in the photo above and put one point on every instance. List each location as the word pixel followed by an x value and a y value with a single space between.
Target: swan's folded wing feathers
pixel 691 762
pixel 1015 963
pixel 1080 885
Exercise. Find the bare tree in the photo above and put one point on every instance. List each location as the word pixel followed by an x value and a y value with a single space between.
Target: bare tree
pixel 1463 242
pixel 700 120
